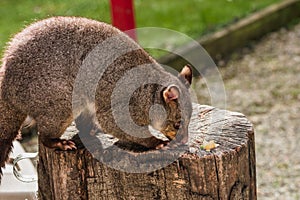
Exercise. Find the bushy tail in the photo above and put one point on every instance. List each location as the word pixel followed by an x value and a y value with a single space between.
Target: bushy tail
pixel 10 122
pixel 5 149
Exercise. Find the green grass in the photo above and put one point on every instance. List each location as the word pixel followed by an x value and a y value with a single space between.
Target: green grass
pixel 192 17
pixel 15 14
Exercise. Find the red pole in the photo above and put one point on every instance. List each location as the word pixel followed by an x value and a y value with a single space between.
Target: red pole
pixel 122 14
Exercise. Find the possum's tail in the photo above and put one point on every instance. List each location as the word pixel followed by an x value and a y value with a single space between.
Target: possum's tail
pixel 10 122
pixel 5 149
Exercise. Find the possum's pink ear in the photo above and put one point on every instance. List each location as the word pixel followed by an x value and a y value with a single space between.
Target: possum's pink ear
pixel 186 75
pixel 171 93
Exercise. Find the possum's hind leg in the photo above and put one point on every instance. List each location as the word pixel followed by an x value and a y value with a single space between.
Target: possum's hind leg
pixel 51 128
pixel 58 143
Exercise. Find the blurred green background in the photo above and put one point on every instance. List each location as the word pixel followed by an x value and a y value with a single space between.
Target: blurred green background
pixel 192 17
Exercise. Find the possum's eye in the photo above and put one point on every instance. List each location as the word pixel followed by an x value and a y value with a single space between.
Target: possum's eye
pixel 177 125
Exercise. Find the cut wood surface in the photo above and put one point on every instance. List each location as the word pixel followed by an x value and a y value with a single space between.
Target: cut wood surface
pixel 188 172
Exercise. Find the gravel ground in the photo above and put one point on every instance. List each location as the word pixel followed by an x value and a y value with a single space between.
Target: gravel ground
pixel 264 84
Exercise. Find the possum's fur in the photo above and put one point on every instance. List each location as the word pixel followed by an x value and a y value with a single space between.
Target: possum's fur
pixel 40 66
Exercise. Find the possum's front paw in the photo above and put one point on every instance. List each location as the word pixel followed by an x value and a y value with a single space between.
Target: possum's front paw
pixel 162 145
pixel 58 143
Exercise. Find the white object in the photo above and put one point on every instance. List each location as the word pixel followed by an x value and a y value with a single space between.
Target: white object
pixel 13 189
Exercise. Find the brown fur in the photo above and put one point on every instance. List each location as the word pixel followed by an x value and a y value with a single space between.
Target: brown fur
pixel 41 64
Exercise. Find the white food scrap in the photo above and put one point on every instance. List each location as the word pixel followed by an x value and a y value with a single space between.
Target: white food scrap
pixel 209 145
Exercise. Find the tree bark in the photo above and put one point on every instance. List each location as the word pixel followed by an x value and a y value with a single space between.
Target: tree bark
pixel 226 172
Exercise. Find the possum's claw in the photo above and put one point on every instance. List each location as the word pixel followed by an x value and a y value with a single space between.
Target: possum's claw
pixel 67 145
pixel 168 145
pixel 162 145
pixel 61 144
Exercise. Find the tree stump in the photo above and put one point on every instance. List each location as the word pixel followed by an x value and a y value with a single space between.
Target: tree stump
pixel 226 172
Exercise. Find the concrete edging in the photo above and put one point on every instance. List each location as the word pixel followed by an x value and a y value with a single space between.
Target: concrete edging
pixel 237 35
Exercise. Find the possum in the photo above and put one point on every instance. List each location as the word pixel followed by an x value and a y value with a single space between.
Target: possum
pixel 39 74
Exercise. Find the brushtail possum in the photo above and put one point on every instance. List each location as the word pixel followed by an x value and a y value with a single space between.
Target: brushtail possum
pixel 38 74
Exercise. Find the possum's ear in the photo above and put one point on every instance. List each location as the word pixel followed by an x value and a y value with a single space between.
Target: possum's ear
pixel 170 93
pixel 186 75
